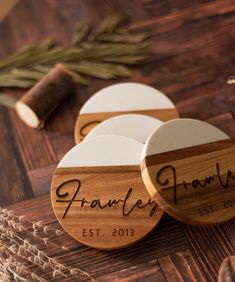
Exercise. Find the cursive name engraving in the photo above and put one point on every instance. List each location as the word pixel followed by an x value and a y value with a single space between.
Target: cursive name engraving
pixel 195 183
pixel 87 127
pixel 97 203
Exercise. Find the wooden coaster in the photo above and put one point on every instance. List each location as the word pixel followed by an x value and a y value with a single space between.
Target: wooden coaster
pixel 138 127
pixel 188 167
pixel 98 194
pixel 123 98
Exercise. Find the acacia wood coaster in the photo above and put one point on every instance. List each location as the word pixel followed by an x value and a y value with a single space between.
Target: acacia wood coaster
pixel 188 167
pixel 138 127
pixel 123 98
pixel 98 194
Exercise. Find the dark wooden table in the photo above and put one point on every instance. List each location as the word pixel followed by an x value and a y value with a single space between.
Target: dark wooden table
pixel 194 44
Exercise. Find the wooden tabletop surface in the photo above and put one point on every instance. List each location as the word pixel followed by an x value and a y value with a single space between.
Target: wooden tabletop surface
pixel 194 50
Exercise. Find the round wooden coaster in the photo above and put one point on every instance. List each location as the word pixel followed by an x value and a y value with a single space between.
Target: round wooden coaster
pixel 138 127
pixel 98 194
pixel 188 167
pixel 123 98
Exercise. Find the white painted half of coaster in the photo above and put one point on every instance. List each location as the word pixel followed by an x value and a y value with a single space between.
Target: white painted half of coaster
pixel 109 150
pixel 98 194
pixel 181 133
pixel 123 98
pixel 138 127
pixel 188 168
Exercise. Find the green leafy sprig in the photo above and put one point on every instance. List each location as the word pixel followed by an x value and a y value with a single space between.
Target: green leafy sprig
pixel 102 53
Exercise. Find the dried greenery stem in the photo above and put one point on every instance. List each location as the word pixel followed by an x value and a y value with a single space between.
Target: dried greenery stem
pixel 102 53
pixel 23 249
pixel 11 266
pixel 18 254
pixel 38 229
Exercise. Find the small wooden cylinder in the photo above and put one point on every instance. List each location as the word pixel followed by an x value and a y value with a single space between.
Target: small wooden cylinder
pixel 40 101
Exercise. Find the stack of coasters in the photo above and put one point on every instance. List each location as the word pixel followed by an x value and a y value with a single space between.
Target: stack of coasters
pixel 138 127
pixel 123 98
pixel 112 189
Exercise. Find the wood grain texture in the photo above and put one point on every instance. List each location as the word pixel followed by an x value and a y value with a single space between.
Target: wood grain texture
pixel 85 122
pixel 150 272
pixel 14 181
pixel 181 266
pixel 62 144
pixel 45 96
pixel 193 44
pixel 34 146
pixel 104 207
pixel 194 184
pixel 161 242
pixel 227 270
pixel 210 246
pixel 40 179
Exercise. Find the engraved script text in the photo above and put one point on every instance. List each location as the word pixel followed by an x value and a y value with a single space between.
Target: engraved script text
pixel 97 203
